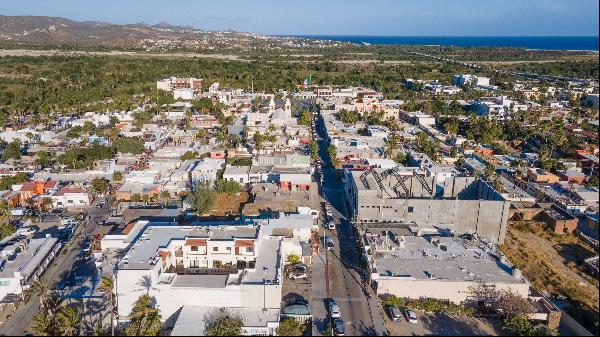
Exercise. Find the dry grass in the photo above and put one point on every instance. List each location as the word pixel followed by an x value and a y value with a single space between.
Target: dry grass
pixel 552 262
pixel 226 204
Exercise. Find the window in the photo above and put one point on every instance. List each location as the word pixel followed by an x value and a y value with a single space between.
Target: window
pixel 228 249
pixel 4 283
pixel 250 249
pixel 215 249
pixel 194 264
pixel 411 209
pixel 194 248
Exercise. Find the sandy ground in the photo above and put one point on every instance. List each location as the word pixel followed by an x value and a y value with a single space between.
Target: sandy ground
pixel 27 52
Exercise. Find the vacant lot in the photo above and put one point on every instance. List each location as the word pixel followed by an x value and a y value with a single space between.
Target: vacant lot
pixel 229 204
pixel 553 264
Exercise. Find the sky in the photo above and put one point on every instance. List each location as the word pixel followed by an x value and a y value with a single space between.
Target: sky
pixel 337 17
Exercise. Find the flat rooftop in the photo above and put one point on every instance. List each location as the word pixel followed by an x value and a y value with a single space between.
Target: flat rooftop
pixel 27 261
pixel 192 319
pixel 450 259
pixel 141 255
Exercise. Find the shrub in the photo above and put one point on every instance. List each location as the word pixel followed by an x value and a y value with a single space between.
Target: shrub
pixel 293 259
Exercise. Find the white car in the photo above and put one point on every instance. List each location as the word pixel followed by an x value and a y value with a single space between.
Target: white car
pixel 410 316
pixel 297 276
pixel 334 310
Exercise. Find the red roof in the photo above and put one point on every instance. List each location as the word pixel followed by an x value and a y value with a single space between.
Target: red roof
pixel 50 184
pixel 195 242
pixel 28 186
pixel 128 228
pixel 244 243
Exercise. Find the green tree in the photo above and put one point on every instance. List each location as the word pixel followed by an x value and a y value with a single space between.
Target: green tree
pixel 227 186
pixel 348 117
pixel 332 153
pixel 106 286
pixel 144 319
pixel 12 151
pixel 290 327
pixel 129 145
pixel 189 155
pixel 305 117
pixel 117 177
pixel 99 186
pixel 224 324
pixel 201 198
pixel 44 158
pixel 293 259
pixel 314 150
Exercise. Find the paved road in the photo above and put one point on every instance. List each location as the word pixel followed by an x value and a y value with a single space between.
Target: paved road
pixel 63 266
pixel 361 314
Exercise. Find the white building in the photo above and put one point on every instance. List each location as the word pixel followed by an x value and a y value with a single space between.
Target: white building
pixel 238 174
pixel 436 267
pixel 71 197
pixel 205 170
pixel 237 267
pixel 22 261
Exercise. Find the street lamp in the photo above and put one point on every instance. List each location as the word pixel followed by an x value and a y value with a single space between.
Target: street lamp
pixel 265 269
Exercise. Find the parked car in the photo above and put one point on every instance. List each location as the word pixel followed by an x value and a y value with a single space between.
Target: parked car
pixel 410 316
pixel 331 224
pixel 297 276
pixel 339 328
pixel 328 242
pixel 395 313
pixel 297 268
pixel 334 309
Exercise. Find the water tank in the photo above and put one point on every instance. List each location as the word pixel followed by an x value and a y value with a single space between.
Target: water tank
pixel 516 273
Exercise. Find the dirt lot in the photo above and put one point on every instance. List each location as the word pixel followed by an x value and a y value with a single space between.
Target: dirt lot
pixel 552 262
pixel 226 204
pixel 444 325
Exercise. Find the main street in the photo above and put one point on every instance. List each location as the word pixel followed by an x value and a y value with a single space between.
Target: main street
pixel 341 277
pixel 65 266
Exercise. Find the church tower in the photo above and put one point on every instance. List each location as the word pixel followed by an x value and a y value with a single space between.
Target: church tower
pixel 288 109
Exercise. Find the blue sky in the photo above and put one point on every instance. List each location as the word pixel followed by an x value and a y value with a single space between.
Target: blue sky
pixel 337 17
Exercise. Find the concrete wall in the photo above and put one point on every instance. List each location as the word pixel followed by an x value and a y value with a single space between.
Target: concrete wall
pixel 455 291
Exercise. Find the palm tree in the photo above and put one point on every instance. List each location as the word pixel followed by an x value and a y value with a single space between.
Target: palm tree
pixel 107 287
pixel 390 146
pixel 41 324
pixel 39 288
pixel 70 321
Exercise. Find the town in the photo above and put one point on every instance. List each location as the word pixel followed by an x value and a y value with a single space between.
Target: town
pixel 324 210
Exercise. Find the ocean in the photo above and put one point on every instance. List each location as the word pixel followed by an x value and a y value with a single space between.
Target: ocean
pixel 528 42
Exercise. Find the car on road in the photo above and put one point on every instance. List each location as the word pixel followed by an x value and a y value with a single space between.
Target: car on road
pixel 410 316
pixel 395 313
pixel 328 242
pixel 334 309
pixel 339 328
pixel 297 276
pixel 331 224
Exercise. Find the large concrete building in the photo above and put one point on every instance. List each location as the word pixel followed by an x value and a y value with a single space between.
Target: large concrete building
pixel 431 266
pixel 460 204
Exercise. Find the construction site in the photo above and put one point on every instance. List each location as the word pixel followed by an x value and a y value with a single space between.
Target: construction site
pixel 462 205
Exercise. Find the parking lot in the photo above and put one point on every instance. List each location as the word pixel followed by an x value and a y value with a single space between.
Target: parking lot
pixel 295 291
pixel 444 325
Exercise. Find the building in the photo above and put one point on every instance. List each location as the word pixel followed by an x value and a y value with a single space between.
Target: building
pixel 441 267
pixel 461 204
pixel 539 175
pixel 231 266
pixel 174 83
pixel 205 170
pixel 71 197
pixel 22 261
